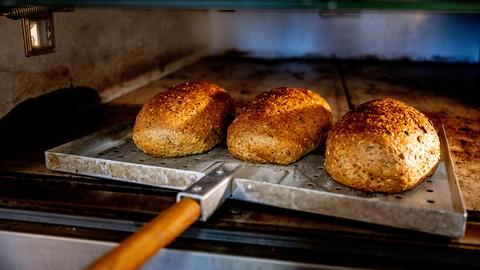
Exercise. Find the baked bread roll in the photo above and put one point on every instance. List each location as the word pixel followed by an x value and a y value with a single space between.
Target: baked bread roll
pixel 279 126
pixel 186 119
pixel 384 145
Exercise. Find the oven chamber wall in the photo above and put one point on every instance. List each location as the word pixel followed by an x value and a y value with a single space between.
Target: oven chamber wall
pixel 118 50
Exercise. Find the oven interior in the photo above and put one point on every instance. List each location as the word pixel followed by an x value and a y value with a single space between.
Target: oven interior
pixel 108 60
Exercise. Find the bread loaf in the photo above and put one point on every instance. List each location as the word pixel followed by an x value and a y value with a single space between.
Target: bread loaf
pixel 186 119
pixel 279 126
pixel 384 145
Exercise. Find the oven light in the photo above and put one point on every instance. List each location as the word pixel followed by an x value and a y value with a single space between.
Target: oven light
pixel 38 34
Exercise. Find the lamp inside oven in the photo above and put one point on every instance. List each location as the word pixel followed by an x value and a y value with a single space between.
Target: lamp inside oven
pixel 38 34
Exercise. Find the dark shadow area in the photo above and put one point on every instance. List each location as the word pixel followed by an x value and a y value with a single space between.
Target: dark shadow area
pixel 50 118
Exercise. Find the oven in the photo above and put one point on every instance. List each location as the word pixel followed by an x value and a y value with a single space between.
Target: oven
pixel 72 70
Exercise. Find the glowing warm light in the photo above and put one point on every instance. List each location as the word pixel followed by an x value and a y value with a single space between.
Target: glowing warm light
pixel 34 35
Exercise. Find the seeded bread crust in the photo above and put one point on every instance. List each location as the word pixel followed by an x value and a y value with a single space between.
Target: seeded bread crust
pixel 383 146
pixel 186 119
pixel 279 126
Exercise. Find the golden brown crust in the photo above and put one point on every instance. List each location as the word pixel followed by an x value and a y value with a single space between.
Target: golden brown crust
pixel 384 145
pixel 186 119
pixel 279 126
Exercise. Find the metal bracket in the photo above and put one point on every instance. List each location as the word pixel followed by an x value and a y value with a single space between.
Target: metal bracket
pixel 212 189
pixel 26 11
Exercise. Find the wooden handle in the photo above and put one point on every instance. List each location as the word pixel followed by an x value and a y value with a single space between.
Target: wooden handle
pixel 158 233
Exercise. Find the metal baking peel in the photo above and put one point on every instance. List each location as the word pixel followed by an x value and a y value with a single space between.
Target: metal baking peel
pixel 206 180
